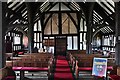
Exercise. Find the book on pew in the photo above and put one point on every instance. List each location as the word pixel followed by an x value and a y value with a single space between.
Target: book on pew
pixel 99 67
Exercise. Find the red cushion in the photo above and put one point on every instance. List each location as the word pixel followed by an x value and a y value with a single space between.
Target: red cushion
pixel 115 77
pixel 20 52
pixel 110 68
pixel 16 68
pixel 85 68
pixel 9 77
pixel 34 69
pixel 90 68
pixel 30 68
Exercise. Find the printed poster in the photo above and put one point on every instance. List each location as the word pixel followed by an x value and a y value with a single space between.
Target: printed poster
pixel 99 67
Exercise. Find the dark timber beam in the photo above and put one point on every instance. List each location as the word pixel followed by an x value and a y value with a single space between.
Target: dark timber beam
pixel 88 11
pixel 79 15
pixel 61 11
pixel 72 20
pixel 20 8
pixel 107 7
pixel 42 27
pixel 19 26
pixel 15 5
pixel 45 23
pixel 60 19
pixel 42 13
pixel 89 24
pixel 3 28
pixel 117 34
pixel 98 30
pixel 51 6
pixel 31 14
pixel 101 12
pixel 82 6
pixel 16 14
pixel 32 9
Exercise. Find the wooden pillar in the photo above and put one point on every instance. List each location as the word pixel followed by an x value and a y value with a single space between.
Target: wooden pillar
pixel 89 38
pixel 88 12
pixel 31 14
pixel 30 36
pixel 3 27
pixel 42 18
pixel 60 19
pixel 101 42
pixel 79 14
pixel 117 31
pixel 1 39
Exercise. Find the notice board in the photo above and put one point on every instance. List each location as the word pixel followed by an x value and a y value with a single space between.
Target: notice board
pixel 99 67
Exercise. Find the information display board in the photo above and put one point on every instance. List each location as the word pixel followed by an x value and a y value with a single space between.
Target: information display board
pixel 99 67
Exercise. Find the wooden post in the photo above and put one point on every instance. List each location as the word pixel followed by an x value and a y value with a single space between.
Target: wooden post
pixel 76 70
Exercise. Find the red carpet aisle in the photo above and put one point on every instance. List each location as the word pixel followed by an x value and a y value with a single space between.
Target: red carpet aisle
pixel 62 70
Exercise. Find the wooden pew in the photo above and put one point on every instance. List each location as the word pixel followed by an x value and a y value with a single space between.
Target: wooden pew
pixel 6 73
pixel 77 51
pixel 113 73
pixel 33 62
pixel 84 62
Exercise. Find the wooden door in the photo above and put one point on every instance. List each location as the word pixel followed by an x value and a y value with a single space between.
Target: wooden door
pixel 60 46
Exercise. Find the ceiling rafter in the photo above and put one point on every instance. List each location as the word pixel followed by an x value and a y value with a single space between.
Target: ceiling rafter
pixel 44 7
pixel 101 12
pixel 96 15
pixel 52 5
pixel 32 10
pixel 12 16
pixel 98 29
pixel 15 5
pixel 107 7
pixel 111 5
pixel 75 5
pixel 17 14
pixel 41 14
pixel 9 3
pixel 20 8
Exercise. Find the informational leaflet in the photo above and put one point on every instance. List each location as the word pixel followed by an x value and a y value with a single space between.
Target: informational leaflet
pixel 99 67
